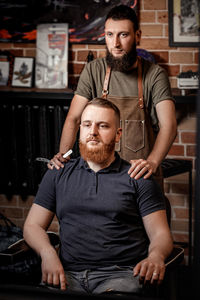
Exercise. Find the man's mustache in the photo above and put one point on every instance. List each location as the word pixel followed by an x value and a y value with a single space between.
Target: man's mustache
pixel 118 49
pixel 92 138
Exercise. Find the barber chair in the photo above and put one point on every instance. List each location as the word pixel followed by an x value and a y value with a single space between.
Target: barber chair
pixel 19 264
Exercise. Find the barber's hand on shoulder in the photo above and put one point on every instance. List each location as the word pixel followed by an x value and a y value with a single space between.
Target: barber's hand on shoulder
pixel 141 167
pixel 150 270
pixel 52 270
pixel 57 161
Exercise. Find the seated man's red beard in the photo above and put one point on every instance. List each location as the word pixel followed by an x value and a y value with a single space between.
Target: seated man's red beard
pixel 99 154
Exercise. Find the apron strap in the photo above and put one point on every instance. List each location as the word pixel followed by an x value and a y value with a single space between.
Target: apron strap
pixel 140 89
pixel 106 83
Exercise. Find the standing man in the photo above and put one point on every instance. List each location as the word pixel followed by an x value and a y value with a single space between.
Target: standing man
pixel 138 87
pixel 113 229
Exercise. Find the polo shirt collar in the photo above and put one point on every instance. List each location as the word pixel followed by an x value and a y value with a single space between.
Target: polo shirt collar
pixel 114 166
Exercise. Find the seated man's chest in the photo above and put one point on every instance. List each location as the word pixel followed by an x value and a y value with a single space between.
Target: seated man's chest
pixel 96 195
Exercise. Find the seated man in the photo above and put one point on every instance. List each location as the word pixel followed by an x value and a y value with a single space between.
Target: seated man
pixel 113 229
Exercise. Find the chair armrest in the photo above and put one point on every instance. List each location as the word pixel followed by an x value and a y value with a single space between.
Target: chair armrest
pixel 18 250
pixel 175 258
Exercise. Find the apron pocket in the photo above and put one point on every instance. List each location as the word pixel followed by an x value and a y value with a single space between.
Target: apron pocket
pixel 134 134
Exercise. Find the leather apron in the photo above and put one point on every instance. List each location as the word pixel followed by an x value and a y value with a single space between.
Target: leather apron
pixel 138 136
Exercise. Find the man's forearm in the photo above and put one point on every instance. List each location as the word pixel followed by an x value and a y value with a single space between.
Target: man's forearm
pixel 161 247
pixel 72 123
pixel 52 269
pixel 68 136
pixel 167 132
pixel 163 143
pixel 37 238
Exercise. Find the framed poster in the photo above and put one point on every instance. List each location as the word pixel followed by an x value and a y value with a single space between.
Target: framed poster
pixel 52 56
pixel 184 23
pixel 23 72
pixel 85 19
pixel 4 73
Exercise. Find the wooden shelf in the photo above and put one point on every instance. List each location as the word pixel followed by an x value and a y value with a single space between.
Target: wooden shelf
pixel 27 95
pixel 67 94
pixel 188 98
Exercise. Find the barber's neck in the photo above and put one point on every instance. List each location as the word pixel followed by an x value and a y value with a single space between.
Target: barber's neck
pixel 99 166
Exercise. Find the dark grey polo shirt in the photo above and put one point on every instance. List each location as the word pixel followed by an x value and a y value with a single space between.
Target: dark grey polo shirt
pixel 99 213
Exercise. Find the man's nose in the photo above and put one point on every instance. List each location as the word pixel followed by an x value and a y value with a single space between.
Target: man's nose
pixel 116 41
pixel 94 129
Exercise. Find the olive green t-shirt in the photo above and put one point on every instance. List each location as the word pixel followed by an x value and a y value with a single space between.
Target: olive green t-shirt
pixel 156 86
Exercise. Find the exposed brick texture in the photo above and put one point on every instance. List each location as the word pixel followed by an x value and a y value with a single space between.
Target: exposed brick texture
pixel 147 17
pixel 181 57
pixel 188 137
pixel 193 68
pixel 149 30
pixel 161 56
pixel 155 4
pixel 191 150
pixel 82 55
pixel 162 17
pixel 177 150
pixel 154 43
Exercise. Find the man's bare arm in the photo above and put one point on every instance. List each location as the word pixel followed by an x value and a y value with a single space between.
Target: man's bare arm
pixel 36 224
pixel 165 138
pixel 69 132
pixel 152 269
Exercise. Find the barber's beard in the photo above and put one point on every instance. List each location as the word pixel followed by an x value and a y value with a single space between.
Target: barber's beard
pixel 123 63
pixel 99 154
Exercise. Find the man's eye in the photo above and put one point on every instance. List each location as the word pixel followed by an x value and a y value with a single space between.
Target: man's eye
pixel 109 34
pixel 124 34
pixel 103 126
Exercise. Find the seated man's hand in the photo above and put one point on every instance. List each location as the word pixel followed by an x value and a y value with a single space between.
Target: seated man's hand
pixel 140 167
pixel 52 270
pixel 150 270
pixel 57 161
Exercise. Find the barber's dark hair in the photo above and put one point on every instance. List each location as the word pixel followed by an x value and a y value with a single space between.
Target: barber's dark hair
pixel 123 12
pixel 105 103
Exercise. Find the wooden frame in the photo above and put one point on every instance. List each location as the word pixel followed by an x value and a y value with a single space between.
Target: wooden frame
pixel 23 72
pixel 184 23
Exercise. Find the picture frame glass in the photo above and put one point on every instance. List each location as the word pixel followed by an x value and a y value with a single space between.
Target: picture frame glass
pixel 23 72
pixel 4 73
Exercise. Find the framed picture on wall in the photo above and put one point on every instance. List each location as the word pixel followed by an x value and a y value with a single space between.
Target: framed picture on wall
pixel 23 72
pixel 184 23
pixel 6 61
pixel 4 73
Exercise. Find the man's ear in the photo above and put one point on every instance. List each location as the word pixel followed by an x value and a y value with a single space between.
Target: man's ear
pixel 118 135
pixel 138 34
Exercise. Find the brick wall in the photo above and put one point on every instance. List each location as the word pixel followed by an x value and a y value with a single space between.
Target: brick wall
pixel 154 25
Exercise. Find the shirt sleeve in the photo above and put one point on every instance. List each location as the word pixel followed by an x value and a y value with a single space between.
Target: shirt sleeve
pixel 149 196
pixel 46 195
pixel 161 89
pixel 156 89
